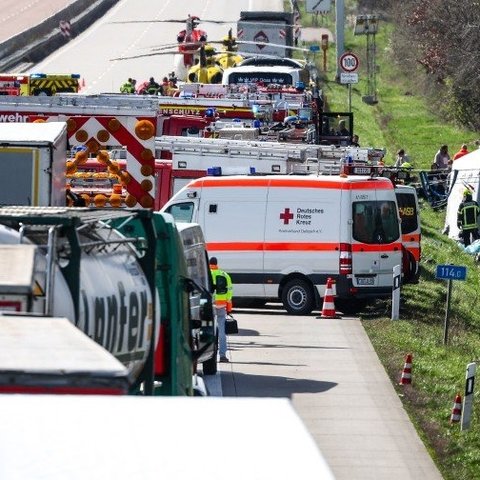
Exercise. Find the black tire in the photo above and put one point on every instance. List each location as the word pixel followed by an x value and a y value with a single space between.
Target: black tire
pixel 298 297
pixel 410 267
pixel 210 366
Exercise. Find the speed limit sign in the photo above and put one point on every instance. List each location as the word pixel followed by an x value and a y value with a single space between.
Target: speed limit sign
pixel 349 62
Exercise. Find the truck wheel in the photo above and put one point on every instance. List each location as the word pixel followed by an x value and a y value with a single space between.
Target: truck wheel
pixel 210 366
pixel 298 297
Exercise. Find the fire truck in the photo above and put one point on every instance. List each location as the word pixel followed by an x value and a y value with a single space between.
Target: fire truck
pixel 96 125
pixel 36 84
pixel 235 101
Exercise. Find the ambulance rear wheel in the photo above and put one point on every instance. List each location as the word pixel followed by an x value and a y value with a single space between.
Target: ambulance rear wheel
pixel 298 297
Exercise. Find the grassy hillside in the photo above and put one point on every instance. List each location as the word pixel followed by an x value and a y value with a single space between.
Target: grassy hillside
pixel 402 119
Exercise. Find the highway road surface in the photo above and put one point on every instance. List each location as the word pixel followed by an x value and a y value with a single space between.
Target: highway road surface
pixel 331 373
pixel 17 16
pixel 92 54
pixel 327 367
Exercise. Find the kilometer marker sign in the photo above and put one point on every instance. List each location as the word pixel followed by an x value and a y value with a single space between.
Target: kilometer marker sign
pixel 349 62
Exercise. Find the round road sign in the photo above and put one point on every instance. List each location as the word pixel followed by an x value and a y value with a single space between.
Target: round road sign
pixel 349 62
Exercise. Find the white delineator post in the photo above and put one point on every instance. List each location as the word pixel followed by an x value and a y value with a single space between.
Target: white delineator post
pixel 468 397
pixel 397 272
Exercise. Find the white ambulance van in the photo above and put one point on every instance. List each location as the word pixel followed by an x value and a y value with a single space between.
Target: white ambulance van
pixel 282 236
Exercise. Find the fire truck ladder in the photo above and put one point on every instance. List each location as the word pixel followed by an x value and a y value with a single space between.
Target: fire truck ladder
pixel 84 104
pixel 232 148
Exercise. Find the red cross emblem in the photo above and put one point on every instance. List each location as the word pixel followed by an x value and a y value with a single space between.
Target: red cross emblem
pixel 286 216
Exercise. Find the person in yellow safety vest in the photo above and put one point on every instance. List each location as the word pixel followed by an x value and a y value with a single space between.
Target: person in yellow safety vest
pixel 128 86
pixel 223 304
pixel 467 218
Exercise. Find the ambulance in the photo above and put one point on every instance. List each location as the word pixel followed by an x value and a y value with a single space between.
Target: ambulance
pixel 282 236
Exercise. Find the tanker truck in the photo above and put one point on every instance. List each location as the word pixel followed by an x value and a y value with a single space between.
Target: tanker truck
pixel 74 263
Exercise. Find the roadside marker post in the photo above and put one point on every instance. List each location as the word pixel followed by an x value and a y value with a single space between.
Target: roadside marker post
pixel 449 273
pixel 468 397
pixel 397 275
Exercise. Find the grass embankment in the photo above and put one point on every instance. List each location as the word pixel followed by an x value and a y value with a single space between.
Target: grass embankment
pixel 402 119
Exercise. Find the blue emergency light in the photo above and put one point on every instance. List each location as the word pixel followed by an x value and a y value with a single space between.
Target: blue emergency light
pixel 214 171
pixel 210 112
pixel 252 171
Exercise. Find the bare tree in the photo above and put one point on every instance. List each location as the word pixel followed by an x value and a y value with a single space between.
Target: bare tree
pixel 442 37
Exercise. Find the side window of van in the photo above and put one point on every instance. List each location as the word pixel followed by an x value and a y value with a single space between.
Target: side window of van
pixel 375 222
pixel 181 212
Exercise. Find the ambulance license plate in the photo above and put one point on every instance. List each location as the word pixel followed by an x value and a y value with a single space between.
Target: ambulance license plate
pixel 365 281
pixel 362 170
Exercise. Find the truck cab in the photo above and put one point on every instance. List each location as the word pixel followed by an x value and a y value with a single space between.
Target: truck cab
pixel 203 332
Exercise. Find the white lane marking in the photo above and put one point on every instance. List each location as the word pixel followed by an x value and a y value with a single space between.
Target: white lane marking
pixel 22 10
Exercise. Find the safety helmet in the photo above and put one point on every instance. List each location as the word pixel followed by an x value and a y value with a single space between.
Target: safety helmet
pixel 195 21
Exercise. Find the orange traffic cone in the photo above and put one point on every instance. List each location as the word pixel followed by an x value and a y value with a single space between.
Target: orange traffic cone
pixel 406 378
pixel 328 309
pixel 456 410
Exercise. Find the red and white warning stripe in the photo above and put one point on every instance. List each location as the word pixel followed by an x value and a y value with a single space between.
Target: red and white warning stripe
pixel 65 28
pixel 406 378
pixel 328 309
pixel 456 410
pixel 108 131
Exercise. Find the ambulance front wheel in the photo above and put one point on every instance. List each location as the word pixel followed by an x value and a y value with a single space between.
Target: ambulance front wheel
pixel 298 297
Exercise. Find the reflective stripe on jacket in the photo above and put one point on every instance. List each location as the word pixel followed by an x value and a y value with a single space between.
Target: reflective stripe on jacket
pixel 467 215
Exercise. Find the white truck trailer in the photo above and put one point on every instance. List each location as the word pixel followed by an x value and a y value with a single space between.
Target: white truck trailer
pixel 33 163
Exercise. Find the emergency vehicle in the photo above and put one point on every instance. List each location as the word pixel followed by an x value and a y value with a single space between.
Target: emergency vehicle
pixel 282 236
pixel 269 71
pixel 193 157
pixel 39 84
pixel 178 160
pixel 97 124
pixel 409 211
pixel 353 161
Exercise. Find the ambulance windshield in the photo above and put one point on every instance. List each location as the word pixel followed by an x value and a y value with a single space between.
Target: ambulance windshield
pixel 181 212
pixel 408 212
pixel 375 222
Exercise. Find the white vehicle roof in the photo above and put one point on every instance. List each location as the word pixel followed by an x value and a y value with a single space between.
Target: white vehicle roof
pixel 45 132
pixel 51 344
pixel 96 437
pixel 252 70
pixel 262 68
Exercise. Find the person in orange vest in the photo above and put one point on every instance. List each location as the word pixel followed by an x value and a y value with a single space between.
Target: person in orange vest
pixel 223 304
pixel 463 151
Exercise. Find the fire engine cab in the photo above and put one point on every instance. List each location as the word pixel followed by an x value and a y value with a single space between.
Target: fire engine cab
pixel 38 84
